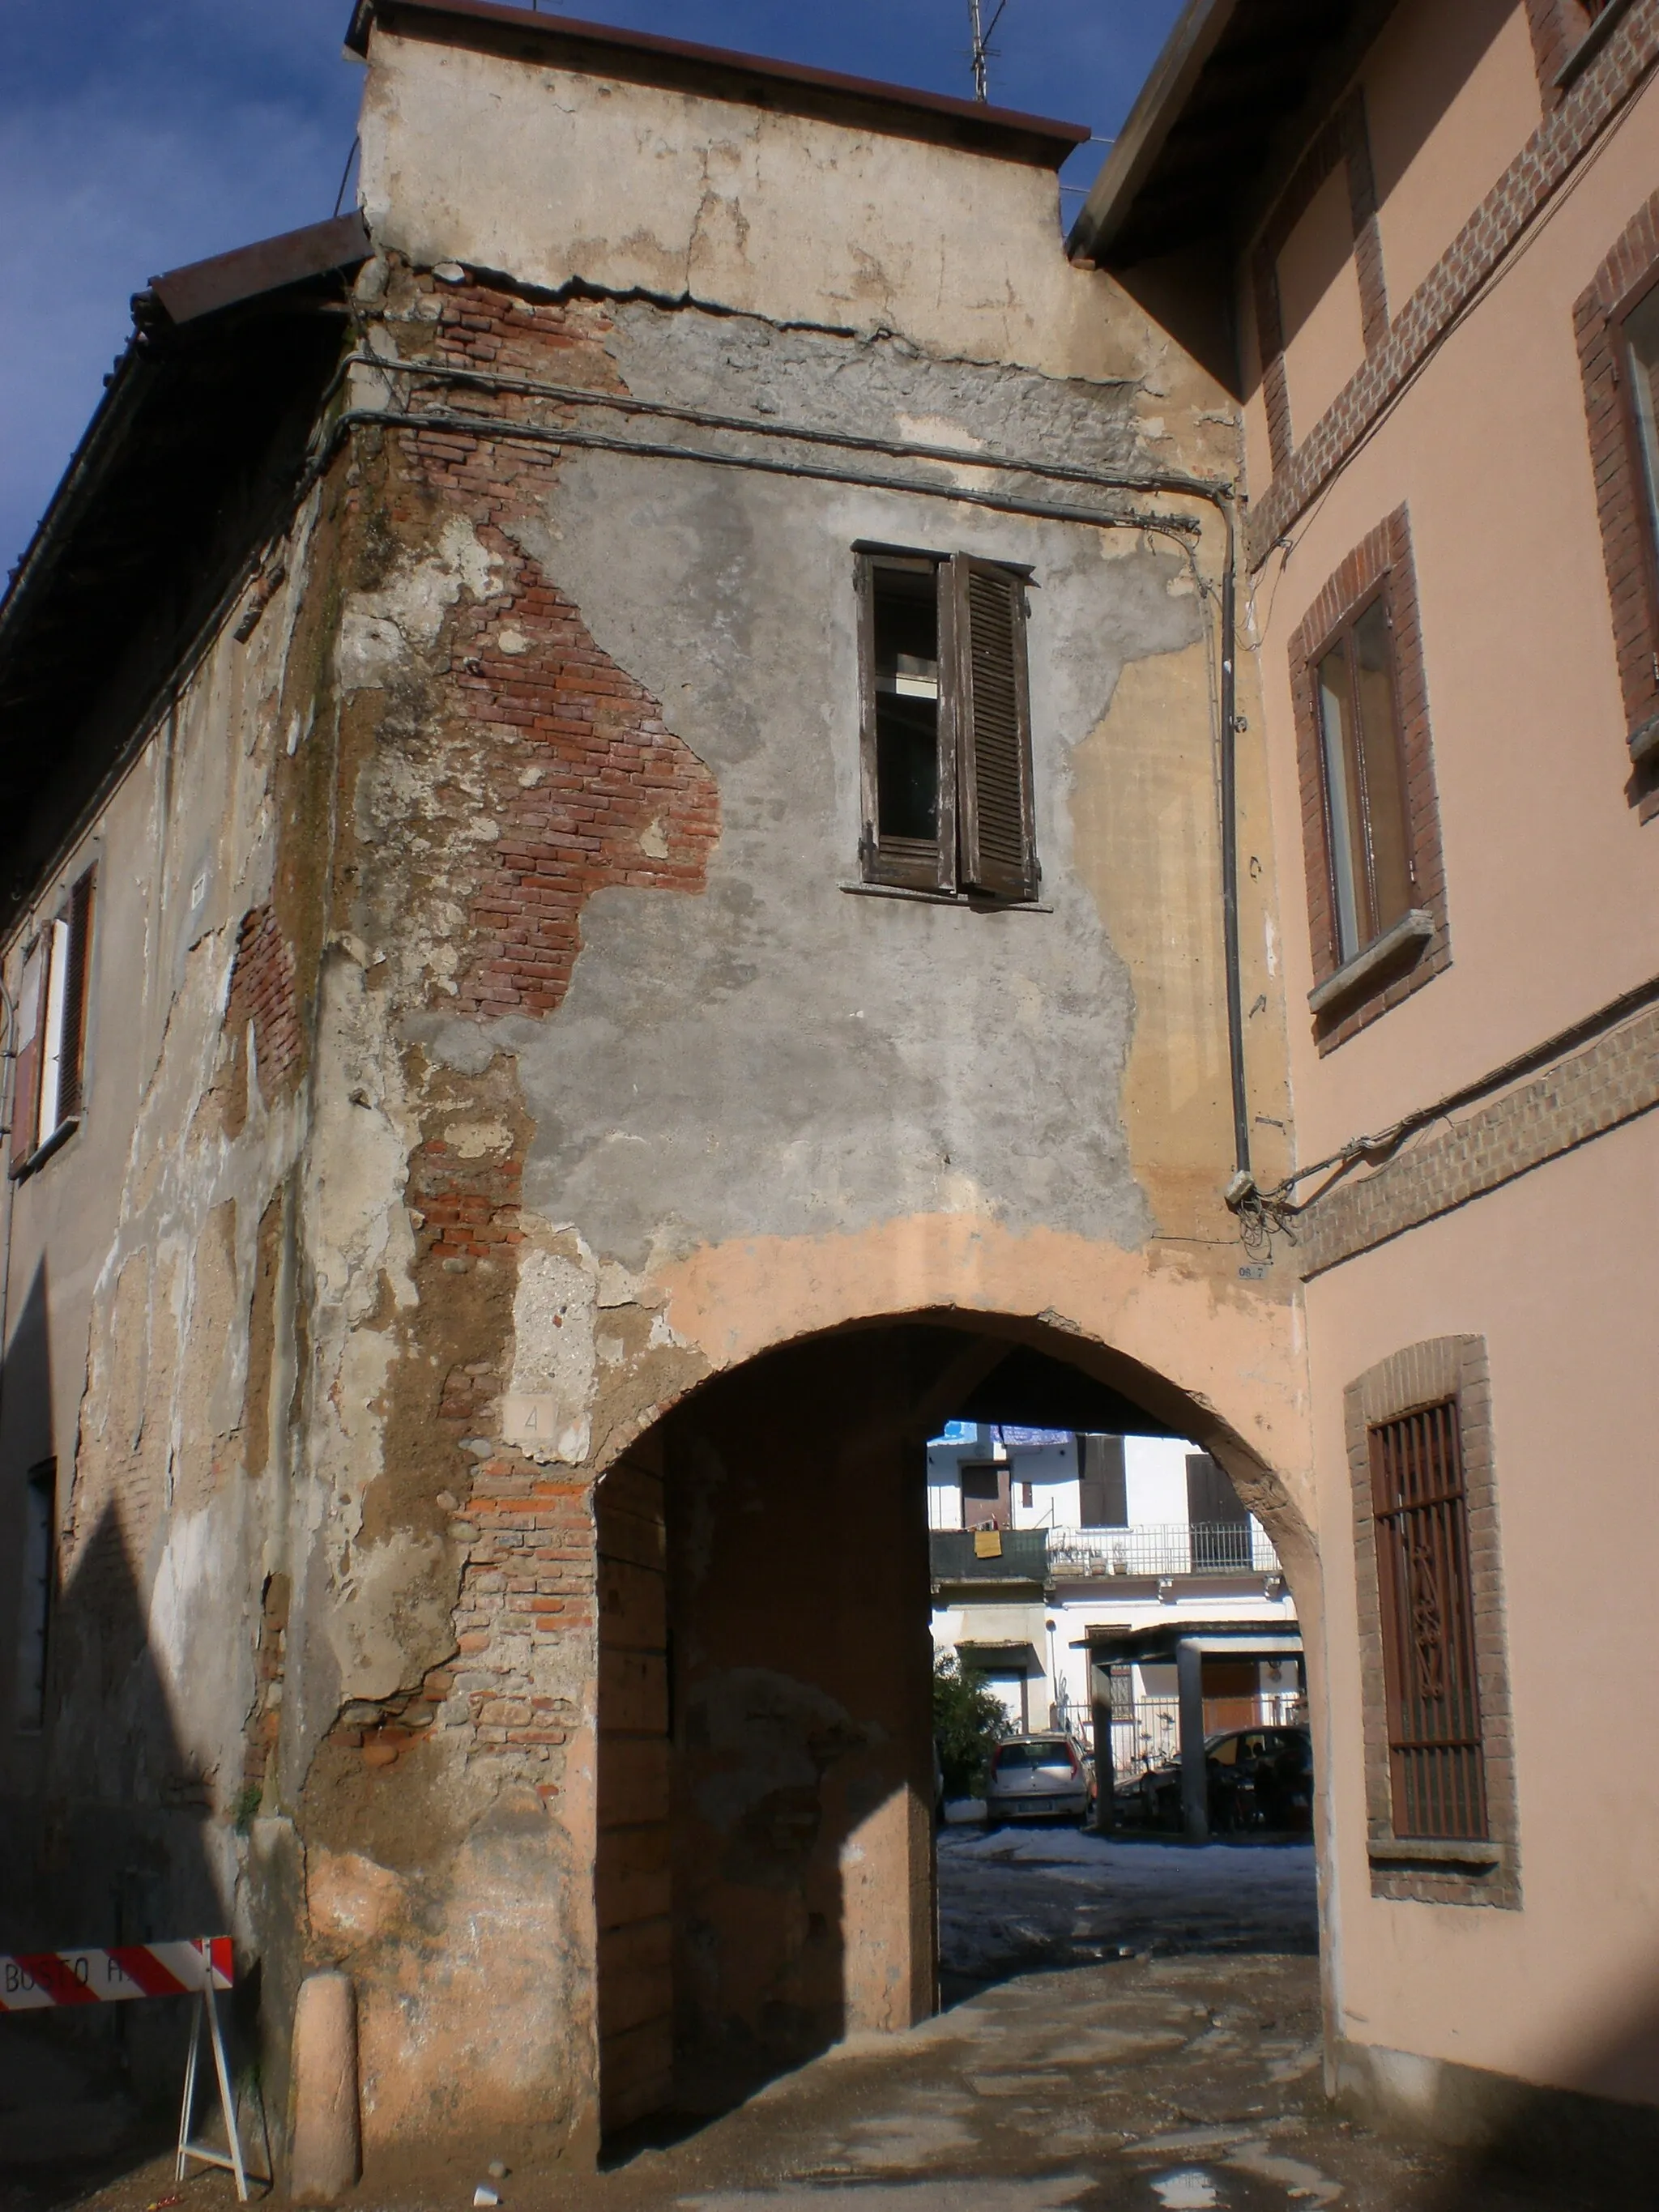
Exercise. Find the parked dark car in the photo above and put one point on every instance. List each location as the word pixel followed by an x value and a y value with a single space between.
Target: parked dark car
pixel 1260 1778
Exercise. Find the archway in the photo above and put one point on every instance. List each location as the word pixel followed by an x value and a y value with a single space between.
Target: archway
pixel 764 1860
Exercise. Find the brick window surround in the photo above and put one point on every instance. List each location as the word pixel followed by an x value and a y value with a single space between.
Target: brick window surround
pixel 1384 557
pixel 1558 29
pixel 1629 271
pixel 1428 1374
pixel 1343 139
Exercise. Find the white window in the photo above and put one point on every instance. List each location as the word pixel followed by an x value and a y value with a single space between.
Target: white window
pixel 49 1086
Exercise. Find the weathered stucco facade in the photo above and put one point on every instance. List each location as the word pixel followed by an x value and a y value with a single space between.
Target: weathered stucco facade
pixel 493 1049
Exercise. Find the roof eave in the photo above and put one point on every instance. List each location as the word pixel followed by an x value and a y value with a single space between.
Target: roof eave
pixel 1197 33
pixel 168 304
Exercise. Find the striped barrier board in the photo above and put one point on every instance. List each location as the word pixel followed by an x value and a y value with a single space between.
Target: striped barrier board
pixel 34 1978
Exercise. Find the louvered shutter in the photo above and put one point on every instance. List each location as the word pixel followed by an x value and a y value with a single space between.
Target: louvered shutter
pixel 70 1090
pixel 26 1074
pixel 993 730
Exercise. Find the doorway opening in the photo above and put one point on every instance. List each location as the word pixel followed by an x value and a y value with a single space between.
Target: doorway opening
pixel 768 1587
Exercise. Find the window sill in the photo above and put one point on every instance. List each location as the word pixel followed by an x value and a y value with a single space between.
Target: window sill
pixel 1400 1851
pixel 1644 741
pixel 1413 929
pixel 1591 44
pixel 947 898
pixel 55 1143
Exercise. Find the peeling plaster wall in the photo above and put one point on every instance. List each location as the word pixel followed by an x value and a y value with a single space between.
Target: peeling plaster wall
pixel 149 1339
pixel 523 1059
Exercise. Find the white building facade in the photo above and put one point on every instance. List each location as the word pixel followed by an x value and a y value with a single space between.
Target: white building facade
pixel 1068 1569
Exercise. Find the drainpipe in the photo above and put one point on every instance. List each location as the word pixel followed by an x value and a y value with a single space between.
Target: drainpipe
pixel 1241 1182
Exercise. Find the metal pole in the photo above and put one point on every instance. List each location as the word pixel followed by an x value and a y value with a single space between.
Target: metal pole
pixel 227 2097
pixel 186 2113
pixel 1194 1770
pixel 981 80
pixel 1100 1695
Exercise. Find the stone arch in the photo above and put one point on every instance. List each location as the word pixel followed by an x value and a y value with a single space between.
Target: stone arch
pixel 763 1850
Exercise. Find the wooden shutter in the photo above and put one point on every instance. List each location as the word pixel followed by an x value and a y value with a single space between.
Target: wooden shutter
pixel 1102 1486
pixel 26 1074
pixel 71 1089
pixel 1220 1525
pixel 993 730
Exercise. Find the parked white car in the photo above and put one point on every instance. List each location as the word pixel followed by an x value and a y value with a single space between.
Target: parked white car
pixel 1038 1778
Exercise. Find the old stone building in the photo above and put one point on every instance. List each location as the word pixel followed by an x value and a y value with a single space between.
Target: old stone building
pixel 652 785
pixel 646 844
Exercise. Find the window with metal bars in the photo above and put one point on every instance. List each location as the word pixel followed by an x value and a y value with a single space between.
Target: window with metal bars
pixel 1420 1510
pixel 945 725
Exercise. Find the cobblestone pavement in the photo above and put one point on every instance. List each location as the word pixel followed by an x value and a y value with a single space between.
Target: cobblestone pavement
pixel 1177 2069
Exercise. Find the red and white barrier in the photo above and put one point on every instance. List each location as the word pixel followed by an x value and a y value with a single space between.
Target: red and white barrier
pixel 34 1978
pixel 198 1968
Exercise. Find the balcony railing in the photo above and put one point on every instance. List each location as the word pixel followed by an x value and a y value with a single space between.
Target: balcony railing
pixel 1205 1548
pixel 1201 1547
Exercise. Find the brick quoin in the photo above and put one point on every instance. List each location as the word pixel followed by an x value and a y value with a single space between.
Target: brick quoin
pixel 262 993
pixel 597 790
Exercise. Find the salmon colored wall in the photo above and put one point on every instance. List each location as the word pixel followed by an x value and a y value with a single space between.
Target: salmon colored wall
pixel 1551 877
pixel 1319 303
pixel 1450 95
pixel 1559 1273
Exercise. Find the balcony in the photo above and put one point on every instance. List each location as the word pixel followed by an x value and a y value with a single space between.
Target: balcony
pixel 1021 1556
pixel 1157 1553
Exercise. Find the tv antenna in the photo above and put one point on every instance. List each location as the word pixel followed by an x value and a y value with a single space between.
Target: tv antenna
pixel 983 47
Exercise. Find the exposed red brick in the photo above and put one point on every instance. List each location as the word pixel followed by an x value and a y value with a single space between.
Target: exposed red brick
pixel 262 993
pixel 597 790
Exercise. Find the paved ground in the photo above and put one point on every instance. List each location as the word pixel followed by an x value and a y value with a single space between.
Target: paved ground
pixel 1135 2029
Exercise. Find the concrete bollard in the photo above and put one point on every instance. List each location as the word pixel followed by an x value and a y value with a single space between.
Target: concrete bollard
pixel 327 2153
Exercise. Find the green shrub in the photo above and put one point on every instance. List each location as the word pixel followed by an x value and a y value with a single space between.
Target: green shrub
pixel 968 1720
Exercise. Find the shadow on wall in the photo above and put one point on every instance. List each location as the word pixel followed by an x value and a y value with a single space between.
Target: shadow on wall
pixel 1569 2150
pixel 765 1875
pixel 103 1826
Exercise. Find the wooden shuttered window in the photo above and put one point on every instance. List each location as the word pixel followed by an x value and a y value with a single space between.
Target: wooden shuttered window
pixel 72 1037
pixel 1103 1483
pixel 994 716
pixel 945 733
pixel 49 1082
pixel 26 1072
pixel 1420 1510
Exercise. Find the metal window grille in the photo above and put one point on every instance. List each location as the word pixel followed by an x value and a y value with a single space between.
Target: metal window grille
pixel 1436 1770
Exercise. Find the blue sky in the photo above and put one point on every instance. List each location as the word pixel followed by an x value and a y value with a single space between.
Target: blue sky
pixel 135 135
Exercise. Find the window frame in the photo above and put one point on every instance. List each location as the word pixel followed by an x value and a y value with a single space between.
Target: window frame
pixel 952 866
pixel 1617 461
pixel 1641 489
pixel 905 864
pixel 1426 1583
pixel 1348 996
pixel 1485 1870
pixel 1341 635
pixel 51 1062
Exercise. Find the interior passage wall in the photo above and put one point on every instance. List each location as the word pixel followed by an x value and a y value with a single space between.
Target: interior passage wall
pixel 803 1776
